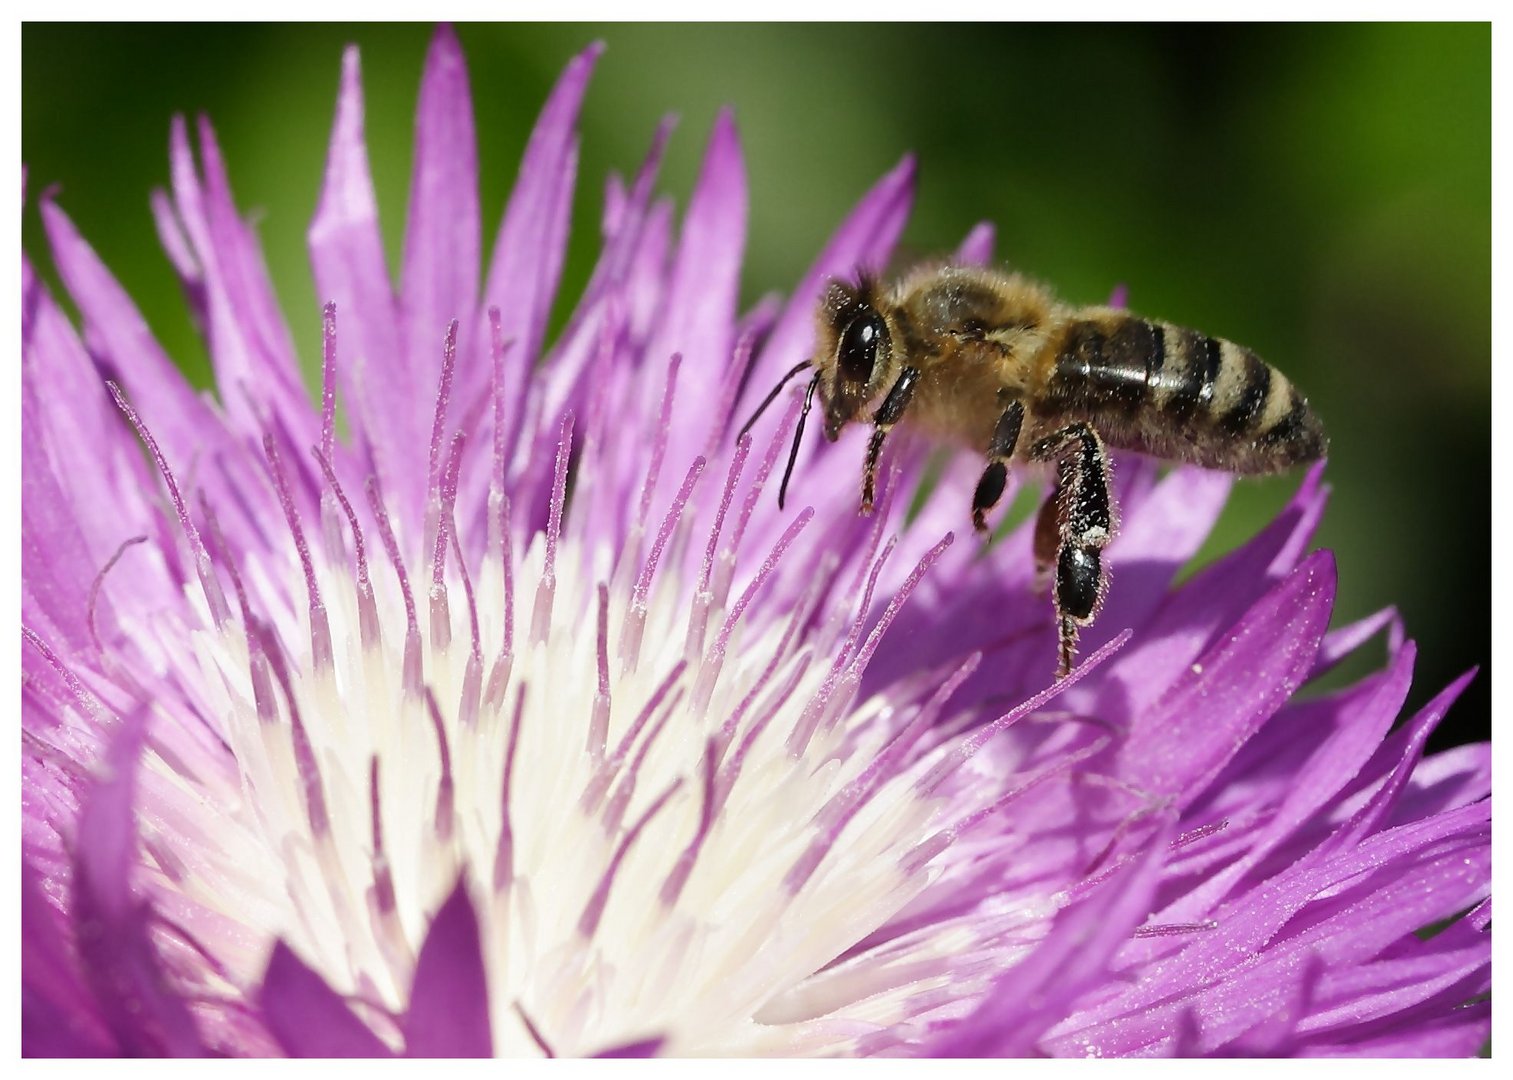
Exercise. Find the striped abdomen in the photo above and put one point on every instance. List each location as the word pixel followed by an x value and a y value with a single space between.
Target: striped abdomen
pixel 1177 394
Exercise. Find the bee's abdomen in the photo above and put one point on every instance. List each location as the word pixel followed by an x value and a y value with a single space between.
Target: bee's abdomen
pixel 1178 394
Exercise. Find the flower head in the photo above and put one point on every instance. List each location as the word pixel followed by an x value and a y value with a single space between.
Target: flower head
pixel 519 720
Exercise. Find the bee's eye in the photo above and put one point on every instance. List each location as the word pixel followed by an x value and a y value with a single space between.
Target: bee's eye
pixel 858 349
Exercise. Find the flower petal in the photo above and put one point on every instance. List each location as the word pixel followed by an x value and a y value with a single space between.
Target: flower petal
pixel 1346 910
pixel 1361 919
pixel 1348 996
pixel 1344 641
pixel 1405 746
pixel 1340 746
pixel 307 1017
pixel 1206 603
pixel 1178 747
pixel 180 253
pixel 1444 781
pixel 1161 533
pixel 442 235
pixel 250 347
pixel 699 315
pixel 1037 992
pixel 82 432
pixel 449 998
pixel 187 428
pixel 626 219
pixel 388 406
pixel 977 248
pixel 54 558
pixel 142 1011
pixel 58 1017
pixel 124 346
pixel 1457 1034
pixel 526 263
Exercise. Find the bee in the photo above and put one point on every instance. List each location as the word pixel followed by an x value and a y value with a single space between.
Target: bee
pixel 994 362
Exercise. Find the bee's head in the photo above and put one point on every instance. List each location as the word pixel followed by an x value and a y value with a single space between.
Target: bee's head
pixel 853 354
pixel 853 362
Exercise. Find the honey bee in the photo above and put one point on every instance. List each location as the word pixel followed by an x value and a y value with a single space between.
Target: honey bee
pixel 992 361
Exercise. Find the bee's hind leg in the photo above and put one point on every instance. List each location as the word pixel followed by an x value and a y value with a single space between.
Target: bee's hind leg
pixel 1087 525
pixel 996 476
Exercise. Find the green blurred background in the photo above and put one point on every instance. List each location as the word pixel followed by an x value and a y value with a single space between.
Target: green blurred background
pixel 1319 193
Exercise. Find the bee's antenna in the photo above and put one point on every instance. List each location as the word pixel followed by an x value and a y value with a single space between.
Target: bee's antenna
pixel 798 434
pixel 800 366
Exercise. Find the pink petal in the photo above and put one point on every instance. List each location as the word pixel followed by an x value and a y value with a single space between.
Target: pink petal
pixel 1405 747
pixel 1209 601
pixel 1359 919
pixel 1035 993
pixel 621 296
pixel 699 314
pixel 442 235
pixel 1342 642
pixel 307 1017
pixel 449 998
pixel 1312 784
pixel 186 426
pixel 249 344
pixel 180 253
pixel 1179 746
pixel 1265 769
pixel 58 1017
pixel 977 248
pixel 1458 1034
pixel 1370 896
pixel 1157 540
pixel 527 258
pixel 1271 1026
pixel 55 561
pixel 182 422
pixel 110 924
pixel 645 278
pixel 1444 781
pixel 389 408
pixel 1395 984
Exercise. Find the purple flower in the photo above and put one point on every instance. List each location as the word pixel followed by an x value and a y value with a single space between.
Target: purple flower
pixel 518 720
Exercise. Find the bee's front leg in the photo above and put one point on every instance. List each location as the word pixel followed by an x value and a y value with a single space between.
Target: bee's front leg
pixel 888 414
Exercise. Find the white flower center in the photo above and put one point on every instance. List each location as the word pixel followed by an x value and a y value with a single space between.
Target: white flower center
pixel 671 868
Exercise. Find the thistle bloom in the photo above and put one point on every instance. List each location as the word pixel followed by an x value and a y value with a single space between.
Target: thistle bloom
pixel 518 720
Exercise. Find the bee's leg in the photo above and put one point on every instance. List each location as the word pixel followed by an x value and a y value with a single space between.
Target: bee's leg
pixel 996 475
pixel 887 415
pixel 1087 526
